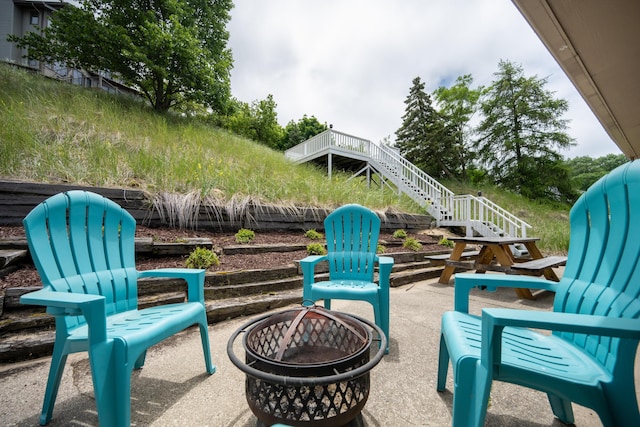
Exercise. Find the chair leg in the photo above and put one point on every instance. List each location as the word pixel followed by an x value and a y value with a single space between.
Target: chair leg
pixel 479 396
pixel 382 320
pixel 443 364
pixel 58 361
pixel 111 374
pixel 140 362
pixel 619 406
pixel 327 303
pixel 464 373
pixel 561 408
pixel 206 348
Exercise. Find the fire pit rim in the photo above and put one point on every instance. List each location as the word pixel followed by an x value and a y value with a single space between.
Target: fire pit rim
pixel 306 381
pixel 335 316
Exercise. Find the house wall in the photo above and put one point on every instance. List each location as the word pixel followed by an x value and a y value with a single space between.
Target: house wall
pixel 9 24
pixel 15 19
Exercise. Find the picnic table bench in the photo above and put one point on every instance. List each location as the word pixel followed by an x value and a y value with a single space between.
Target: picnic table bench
pixel 537 267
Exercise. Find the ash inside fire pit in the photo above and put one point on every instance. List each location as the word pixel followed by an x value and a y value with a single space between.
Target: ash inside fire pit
pixel 307 366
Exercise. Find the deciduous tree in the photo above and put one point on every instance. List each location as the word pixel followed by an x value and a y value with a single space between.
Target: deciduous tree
pixel 298 132
pixel 258 121
pixel 457 105
pixel 172 51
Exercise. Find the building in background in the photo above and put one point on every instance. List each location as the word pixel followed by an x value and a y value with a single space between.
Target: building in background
pixel 18 17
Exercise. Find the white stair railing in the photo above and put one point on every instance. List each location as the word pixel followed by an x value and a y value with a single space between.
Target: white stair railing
pixel 477 214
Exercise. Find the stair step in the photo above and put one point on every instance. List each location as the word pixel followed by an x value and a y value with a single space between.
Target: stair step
pixel 223 278
pixel 411 276
pixel 230 308
pixel 19 346
pixel 29 332
pixel 12 256
pixel 248 289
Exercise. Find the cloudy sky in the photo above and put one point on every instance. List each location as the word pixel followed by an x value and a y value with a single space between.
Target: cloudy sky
pixel 350 63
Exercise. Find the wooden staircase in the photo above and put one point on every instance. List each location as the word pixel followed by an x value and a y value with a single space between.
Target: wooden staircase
pixel 28 332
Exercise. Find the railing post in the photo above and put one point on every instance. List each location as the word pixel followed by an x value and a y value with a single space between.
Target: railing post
pixel 469 227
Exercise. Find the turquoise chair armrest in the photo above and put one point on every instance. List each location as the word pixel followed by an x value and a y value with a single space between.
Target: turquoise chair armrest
pixel 464 282
pixel 313 259
pixel 193 277
pixel 385 264
pixel 308 265
pixel 494 320
pixel 67 303
pixel 563 322
pixel 92 307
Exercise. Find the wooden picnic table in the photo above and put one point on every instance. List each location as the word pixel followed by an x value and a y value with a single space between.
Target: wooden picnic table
pixel 499 249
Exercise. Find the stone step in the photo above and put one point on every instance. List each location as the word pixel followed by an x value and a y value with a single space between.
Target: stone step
pixel 34 336
pixel 28 332
pixel 246 290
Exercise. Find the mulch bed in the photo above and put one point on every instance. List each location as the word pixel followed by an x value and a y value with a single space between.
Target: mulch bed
pixel 28 276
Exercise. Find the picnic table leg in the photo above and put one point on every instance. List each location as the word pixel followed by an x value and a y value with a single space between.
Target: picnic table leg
pixel 485 257
pixel 535 253
pixel 505 258
pixel 456 254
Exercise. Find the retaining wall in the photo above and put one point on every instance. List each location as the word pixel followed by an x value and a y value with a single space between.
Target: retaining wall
pixel 18 198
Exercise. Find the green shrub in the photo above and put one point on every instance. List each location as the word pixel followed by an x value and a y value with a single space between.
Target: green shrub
pixel 245 236
pixel 316 249
pixel 313 234
pixel 411 244
pixel 446 242
pixel 400 234
pixel 381 249
pixel 202 258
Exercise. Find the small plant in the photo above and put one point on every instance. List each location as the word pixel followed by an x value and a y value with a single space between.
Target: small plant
pixel 316 249
pixel 182 240
pixel 202 258
pixel 244 235
pixel 313 234
pixel 411 244
pixel 400 234
pixel 381 249
pixel 446 242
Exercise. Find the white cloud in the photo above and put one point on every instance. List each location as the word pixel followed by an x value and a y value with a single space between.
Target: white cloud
pixel 351 62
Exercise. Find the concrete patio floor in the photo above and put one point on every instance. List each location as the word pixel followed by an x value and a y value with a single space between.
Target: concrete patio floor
pixel 173 389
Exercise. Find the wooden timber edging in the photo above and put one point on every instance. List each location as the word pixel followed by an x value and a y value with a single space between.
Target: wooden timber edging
pixel 18 198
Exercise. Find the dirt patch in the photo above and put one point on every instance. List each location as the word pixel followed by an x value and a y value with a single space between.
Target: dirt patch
pixel 28 276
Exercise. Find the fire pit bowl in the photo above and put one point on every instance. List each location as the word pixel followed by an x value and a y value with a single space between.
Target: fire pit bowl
pixel 307 366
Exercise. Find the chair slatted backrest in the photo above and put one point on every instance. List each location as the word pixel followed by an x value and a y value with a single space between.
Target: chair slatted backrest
pixel 352 233
pixel 602 275
pixel 82 242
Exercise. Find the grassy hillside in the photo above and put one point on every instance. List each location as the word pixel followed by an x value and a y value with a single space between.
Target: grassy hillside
pixel 56 132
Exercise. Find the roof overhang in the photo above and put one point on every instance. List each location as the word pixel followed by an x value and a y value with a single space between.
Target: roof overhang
pixel 597 44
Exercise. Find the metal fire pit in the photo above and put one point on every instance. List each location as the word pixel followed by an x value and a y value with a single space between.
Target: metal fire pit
pixel 307 366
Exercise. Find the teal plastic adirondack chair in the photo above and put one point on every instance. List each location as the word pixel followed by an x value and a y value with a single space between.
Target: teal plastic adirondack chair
pixel 589 357
pixel 83 247
pixel 352 233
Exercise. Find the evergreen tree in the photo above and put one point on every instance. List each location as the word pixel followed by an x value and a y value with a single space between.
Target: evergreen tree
pixel 521 128
pixel 423 138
